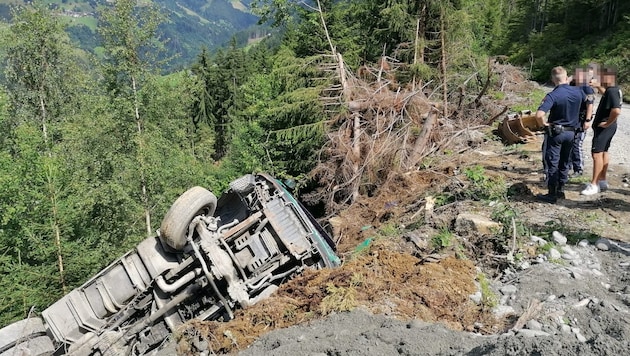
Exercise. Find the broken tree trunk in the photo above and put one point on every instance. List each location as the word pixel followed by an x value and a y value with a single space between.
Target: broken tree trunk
pixel 423 139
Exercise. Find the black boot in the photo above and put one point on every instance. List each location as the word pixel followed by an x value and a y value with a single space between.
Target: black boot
pixel 551 197
pixel 560 192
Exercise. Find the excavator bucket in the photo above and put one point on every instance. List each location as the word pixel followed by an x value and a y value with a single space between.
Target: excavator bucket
pixel 520 127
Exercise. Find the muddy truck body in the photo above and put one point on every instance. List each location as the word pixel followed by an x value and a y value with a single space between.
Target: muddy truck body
pixel 209 257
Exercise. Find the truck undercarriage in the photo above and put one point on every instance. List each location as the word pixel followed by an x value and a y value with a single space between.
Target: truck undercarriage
pixel 209 257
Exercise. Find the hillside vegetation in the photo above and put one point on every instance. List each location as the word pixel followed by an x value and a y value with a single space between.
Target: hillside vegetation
pixel 93 149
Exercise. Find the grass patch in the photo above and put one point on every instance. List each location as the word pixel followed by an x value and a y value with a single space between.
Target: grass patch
pixel 442 239
pixel 504 214
pixel 579 180
pixel 339 299
pixel 482 186
pixel 489 298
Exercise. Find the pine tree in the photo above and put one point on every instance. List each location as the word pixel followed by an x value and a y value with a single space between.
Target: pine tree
pixel 129 34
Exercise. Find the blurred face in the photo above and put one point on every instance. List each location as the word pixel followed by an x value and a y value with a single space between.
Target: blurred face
pixel 608 80
pixel 581 77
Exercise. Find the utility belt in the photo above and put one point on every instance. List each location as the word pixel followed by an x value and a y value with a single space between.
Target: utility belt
pixel 555 129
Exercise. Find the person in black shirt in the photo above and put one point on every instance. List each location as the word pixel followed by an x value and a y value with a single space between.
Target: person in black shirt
pixel 604 128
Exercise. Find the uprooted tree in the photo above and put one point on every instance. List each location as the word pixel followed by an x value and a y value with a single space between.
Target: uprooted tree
pixel 389 117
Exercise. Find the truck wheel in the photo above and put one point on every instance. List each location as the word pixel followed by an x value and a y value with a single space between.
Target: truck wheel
pixel 195 201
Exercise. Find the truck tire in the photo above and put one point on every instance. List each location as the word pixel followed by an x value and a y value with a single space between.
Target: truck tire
pixel 195 201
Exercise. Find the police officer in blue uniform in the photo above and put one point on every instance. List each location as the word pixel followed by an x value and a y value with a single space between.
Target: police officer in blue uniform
pixel 563 104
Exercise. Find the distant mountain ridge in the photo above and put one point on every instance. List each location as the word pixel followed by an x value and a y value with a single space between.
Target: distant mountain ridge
pixel 190 24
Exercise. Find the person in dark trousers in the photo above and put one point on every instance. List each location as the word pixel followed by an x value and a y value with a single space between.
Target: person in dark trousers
pixel 563 104
pixel 581 80
pixel 604 128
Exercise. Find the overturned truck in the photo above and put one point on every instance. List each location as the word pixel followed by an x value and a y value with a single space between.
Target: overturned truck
pixel 209 257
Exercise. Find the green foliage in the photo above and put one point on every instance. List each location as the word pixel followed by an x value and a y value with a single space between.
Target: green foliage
pixel 541 37
pixel 533 100
pixel 444 238
pixel 482 186
pixel 338 299
pixel 508 216
pixel 389 230
pixel 444 198
pixel 489 298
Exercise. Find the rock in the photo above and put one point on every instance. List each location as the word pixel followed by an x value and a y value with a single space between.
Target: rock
pixel 508 290
pixel 603 244
pixel 568 256
pixel 558 238
pixel 576 262
pixel 583 243
pixel 465 222
pixel 568 250
pixel 616 288
pixel 538 240
pixel 596 328
pixel 578 334
pixel 534 325
pixel 597 273
pixel 554 254
pixel 476 298
pixel 596 266
pixel 551 298
pixel 416 324
pixel 418 238
pixel 566 329
pixel 503 310
pixel 582 303
pixel 532 333
pixel 580 337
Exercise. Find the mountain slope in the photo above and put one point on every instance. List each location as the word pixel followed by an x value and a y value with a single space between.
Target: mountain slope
pixel 189 24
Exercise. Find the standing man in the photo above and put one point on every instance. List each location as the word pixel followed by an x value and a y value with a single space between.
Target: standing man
pixel 563 104
pixel 604 128
pixel 581 81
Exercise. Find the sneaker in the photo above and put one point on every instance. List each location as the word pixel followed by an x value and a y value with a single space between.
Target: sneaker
pixel 603 185
pixel 590 189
